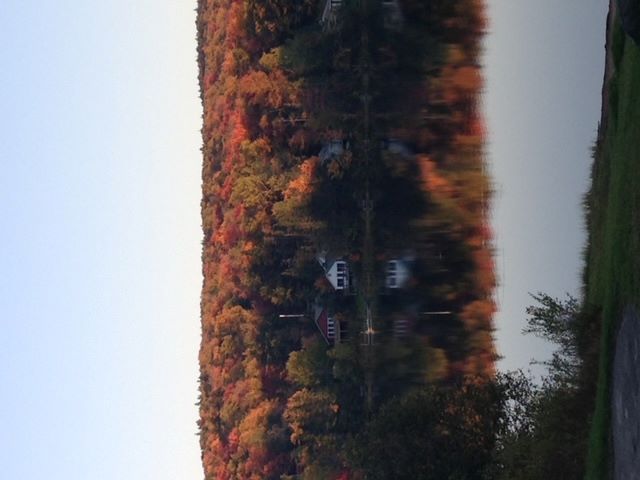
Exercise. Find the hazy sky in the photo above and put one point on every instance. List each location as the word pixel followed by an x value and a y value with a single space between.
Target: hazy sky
pixel 544 68
pixel 99 204
pixel 100 245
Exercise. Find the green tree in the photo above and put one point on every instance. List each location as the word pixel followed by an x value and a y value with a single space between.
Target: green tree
pixel 435 433
pixel 310 366
pixel 557 321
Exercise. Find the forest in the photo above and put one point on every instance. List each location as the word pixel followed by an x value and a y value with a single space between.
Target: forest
pixel 348 295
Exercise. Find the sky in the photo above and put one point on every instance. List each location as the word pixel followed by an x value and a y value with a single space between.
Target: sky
pixel 544 65
pixel 100 246
pixel 99 209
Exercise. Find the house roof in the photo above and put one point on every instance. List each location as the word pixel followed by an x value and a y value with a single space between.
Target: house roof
pixel 327 260
pixel 321 318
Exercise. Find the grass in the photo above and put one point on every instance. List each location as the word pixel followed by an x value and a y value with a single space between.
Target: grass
pixel 613 254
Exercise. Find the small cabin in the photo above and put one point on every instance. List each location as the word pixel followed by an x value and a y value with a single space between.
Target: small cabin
pixel 338 275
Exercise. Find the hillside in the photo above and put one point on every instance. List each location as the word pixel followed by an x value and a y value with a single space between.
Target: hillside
pixel 347 256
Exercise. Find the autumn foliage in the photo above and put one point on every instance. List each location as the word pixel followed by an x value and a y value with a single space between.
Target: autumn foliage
pixel 273 401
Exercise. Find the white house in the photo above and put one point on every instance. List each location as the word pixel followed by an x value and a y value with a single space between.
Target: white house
pixel 336 271
pixel 397 273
